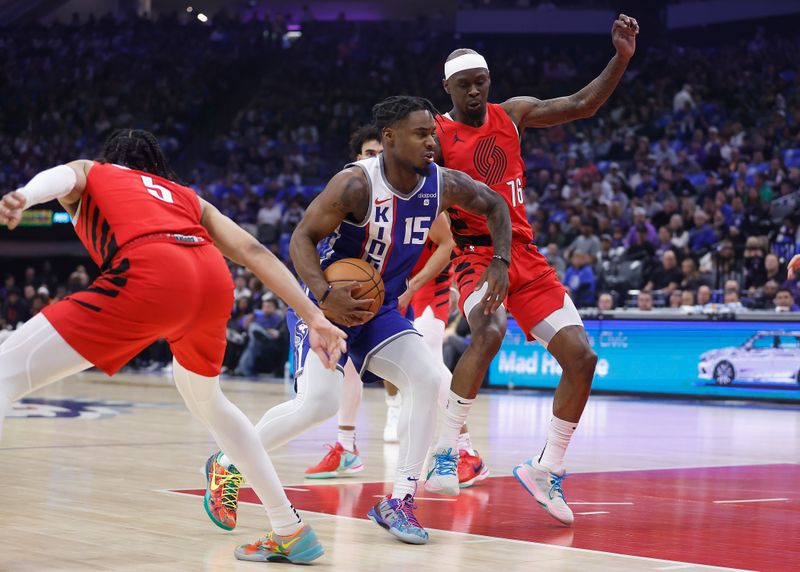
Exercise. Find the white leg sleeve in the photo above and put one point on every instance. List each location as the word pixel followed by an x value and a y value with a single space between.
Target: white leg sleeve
pixel 409 365
pixel 33 356
pixel 318 394
pixel 232 431
pixel 432 330
pixel 567 315
pixel 352 388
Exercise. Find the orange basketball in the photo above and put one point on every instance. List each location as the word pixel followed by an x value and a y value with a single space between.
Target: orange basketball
pixel 370 283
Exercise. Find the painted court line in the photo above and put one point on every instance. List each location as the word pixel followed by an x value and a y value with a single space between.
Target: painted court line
pixel 677 567
pixel 749 500
pixel 478 537
pixel 573 503
pixel 595 512
pixel 296 489
pixel 417 498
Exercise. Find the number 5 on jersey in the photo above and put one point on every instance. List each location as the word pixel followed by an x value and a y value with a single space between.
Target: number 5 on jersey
pixel 159 192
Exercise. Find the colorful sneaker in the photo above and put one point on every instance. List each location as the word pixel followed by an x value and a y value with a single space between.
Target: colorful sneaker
pixel 443 476
pixel 337 463
pixel 301 547
pixel 392 419
pixel 471 469
pixel 397 516
pixel 545 487
pixel 221 500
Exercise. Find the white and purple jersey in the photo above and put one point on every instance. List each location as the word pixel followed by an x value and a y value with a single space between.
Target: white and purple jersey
pixel 391 238
pixel 393 234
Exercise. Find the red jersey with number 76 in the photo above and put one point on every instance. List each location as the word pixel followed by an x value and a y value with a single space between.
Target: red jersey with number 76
pixel 121 204
pixel 491 154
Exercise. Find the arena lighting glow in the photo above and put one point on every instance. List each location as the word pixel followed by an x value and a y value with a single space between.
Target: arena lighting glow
pixel 202 17
pixel 189 9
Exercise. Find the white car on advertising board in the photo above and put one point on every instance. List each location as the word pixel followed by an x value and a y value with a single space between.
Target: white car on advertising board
pixel 767 357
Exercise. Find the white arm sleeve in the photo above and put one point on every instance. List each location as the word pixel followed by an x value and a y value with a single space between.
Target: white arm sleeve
pixel 48 185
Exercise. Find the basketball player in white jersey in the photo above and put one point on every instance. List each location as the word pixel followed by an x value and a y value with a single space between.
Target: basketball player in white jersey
pixel 380 210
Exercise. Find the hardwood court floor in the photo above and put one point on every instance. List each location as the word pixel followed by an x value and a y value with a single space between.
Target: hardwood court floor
pixel 87 486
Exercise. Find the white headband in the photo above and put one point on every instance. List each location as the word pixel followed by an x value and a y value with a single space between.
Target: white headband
pixel 463 62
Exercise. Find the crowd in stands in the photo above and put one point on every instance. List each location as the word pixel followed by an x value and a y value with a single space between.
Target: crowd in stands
pixel 684 186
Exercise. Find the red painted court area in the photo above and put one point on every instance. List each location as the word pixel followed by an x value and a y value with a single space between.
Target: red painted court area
pixel 738 517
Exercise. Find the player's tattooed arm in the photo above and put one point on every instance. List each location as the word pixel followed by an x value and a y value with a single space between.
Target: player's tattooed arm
pixel 346 196
pixel 533 112
pixel 462 190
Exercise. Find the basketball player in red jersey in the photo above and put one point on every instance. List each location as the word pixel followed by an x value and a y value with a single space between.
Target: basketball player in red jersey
pixel 483 140
pixel 160 277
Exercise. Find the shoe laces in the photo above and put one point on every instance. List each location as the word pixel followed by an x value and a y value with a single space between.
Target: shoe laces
pixel 405 509
pixel 332 453
pixel 555 485
pixel 446 463
pixel 231 482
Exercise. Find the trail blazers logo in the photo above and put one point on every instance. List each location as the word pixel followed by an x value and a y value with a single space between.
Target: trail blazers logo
pixel 490 160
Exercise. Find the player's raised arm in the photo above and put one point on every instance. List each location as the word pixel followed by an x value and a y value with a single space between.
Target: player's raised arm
pixel 346 196
pixel 64 183
pixel 462 190
pixel 533 112
pixel 241 247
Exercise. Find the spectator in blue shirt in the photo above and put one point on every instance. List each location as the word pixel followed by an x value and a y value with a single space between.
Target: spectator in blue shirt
pixel 267 343
pixel 580 280
pixel 702 237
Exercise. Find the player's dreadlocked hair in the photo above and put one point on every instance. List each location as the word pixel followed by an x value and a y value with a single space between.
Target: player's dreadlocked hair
pixel 361 135
pixel 397 107
pixel 137 149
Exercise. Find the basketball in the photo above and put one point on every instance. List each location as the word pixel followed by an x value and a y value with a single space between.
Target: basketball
pixel 370 283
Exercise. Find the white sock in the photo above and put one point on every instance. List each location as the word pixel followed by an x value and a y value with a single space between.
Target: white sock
pixel 347 437
pixel 453 419
pixel 404 485
pixel 558 437
pixel 465 443
pixel 284 519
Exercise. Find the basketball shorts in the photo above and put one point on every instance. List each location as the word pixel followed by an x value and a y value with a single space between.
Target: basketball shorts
pixel 362 341
pixel 152 290
pixel 436 295
pixel 534 291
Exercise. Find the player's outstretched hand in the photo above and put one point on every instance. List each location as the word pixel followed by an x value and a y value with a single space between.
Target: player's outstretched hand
pixel 404 300
pixel 11 207
pixel 496 278
pixel 342 308
pixel 794 265
pixel 326 340
pixel 623 35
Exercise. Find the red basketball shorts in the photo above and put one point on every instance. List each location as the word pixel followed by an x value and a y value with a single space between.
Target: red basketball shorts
pixel 534 291
pixel 436 295
pixel 152 290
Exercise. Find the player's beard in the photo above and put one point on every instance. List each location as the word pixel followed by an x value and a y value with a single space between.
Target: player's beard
pixel 423 171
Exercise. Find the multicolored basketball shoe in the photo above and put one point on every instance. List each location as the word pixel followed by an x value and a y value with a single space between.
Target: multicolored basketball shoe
pixel 339 462
pixel 221 500
pixel 471 469
pixel 299 548
pixel 397 516
pixel 545 487
pixel 443 476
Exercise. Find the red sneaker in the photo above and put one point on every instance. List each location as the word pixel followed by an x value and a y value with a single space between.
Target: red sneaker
pixel 337 463
pixel 471 469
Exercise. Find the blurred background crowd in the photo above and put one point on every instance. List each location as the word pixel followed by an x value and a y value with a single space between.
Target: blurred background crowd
pixel 683 191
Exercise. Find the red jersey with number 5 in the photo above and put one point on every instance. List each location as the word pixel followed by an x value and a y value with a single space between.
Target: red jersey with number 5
pixel 491 154
pixel 120 205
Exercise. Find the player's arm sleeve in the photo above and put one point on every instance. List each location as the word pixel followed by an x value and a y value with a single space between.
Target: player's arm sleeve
pixel 56 183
